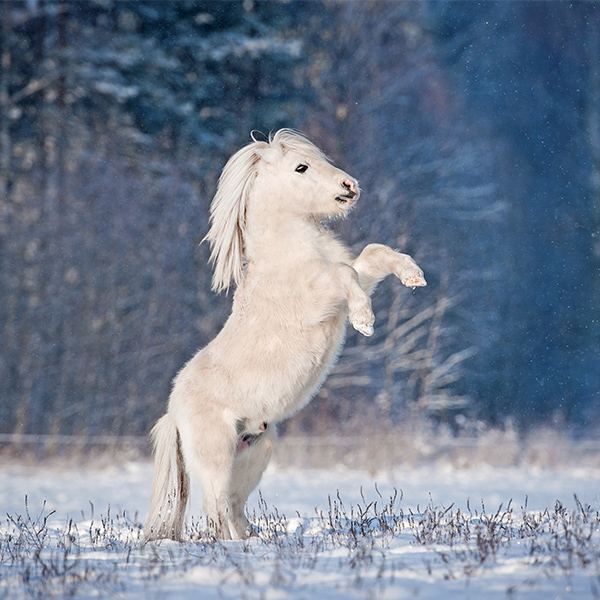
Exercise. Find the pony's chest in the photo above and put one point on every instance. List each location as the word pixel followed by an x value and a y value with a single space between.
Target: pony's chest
pixel 301 307
pixel 295 294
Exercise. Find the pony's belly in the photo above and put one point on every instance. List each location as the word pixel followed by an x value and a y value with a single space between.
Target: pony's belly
pixel 307 371
pixel 259 371
pixel 277 374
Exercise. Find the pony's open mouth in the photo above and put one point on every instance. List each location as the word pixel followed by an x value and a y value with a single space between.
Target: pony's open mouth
pixel 346 199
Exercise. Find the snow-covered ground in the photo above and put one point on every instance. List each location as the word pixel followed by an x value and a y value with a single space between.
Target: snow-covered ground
pixel 325 534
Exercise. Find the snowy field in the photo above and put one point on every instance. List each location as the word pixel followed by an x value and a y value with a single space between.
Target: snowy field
pixel 425 532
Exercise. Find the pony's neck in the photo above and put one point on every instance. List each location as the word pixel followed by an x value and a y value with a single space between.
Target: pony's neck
pixel 273 235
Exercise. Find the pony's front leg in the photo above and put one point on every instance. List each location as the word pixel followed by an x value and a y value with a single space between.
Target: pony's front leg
pixel 377 261
pixel 360 312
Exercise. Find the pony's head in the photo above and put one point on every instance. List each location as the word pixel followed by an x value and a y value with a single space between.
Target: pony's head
pixel 286 175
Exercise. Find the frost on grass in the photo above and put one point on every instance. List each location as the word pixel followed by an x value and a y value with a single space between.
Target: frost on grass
pixel 370 549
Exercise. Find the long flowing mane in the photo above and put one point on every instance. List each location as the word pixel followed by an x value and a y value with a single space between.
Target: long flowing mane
pixel 226 235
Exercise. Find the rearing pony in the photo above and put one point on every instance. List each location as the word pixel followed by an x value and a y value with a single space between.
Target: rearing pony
pixel 296 285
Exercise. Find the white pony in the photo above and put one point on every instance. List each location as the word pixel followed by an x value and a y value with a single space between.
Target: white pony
pixel 296 286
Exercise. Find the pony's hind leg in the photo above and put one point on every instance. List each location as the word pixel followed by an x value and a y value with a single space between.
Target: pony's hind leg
pixel 209 449
pixel 248 467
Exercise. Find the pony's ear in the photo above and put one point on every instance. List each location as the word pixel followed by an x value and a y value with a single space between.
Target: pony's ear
pixel 228 217
pixel 267 154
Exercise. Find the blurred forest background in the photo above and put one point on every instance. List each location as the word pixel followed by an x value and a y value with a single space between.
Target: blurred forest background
pixel 473 127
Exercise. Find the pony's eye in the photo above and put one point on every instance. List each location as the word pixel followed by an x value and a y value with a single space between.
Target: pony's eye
pixel 301 168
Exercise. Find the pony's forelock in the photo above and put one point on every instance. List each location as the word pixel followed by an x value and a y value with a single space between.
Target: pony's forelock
pixel 290 139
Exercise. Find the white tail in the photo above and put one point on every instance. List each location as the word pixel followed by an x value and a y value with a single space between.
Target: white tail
pixel 170 484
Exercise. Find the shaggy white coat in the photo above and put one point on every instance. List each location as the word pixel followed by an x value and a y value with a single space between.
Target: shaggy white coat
pixel 296 286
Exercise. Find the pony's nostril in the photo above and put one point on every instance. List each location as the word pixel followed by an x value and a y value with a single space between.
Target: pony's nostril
pixel 350 185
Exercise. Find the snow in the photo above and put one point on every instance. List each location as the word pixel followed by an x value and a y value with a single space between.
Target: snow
pixel 306 548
